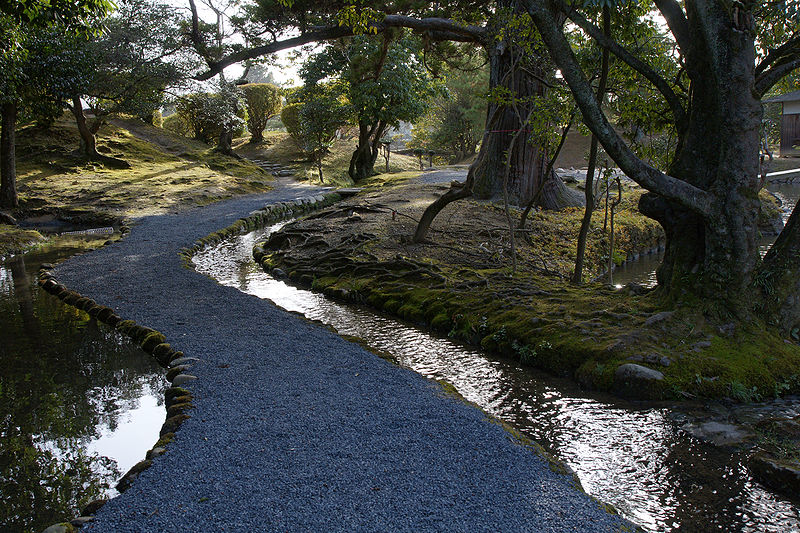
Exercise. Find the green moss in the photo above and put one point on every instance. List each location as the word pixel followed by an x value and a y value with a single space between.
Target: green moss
pixel 391 305
pixel 151 341
pixel 16 240
pixel 441 322
pixel 165 439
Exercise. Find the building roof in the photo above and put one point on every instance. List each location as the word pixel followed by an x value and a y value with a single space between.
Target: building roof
pixel 793 96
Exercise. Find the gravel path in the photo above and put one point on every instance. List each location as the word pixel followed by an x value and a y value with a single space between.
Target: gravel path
pixel 443 176
pixel 296 429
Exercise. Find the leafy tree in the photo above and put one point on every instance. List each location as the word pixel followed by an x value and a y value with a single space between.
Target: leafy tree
pixel 20 84
pixel 214 117
pixel 323 113
pixel 263 101
pixel 140 54
pixel 290 116
pixel 386 83
pixel 73 15
pixel 456 117
pixel 707 198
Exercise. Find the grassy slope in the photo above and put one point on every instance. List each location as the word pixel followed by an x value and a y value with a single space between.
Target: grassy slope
pixel 167 172
pixel 51 172
pixel 280 148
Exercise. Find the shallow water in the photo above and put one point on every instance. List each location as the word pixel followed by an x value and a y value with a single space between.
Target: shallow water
pixel 634 456
pixel 79 403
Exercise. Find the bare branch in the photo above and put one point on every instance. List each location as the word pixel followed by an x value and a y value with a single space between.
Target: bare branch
pixel 766 80
pixel 439 29
pixel 790 49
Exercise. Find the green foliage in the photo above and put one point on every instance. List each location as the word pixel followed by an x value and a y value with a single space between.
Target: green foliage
pixel 205 115
pixel 74 15
pixel 454 122
pixel 290 116
pixel 314 123
pixel 263 100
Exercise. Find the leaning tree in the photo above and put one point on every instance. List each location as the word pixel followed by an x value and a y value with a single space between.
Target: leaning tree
pixel 23 25
pixel 707 199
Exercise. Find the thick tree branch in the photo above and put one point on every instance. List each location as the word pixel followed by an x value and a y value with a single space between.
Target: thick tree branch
pixel 475 34
pixel 766 80
pixel 197 38
pixel 439 29
pixel 675 105
pixel 676 20
pixel 648 177
pixel 790 49
pixel 322 34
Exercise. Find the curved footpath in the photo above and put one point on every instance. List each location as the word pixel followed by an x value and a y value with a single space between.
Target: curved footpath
pixel 296 429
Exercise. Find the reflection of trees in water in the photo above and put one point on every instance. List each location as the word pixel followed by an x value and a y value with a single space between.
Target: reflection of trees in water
pixel 63 380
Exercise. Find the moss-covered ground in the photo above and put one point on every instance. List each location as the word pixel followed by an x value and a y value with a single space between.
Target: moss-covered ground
pixel 281 148
pixel 167 172
pixel 461 284
pixel 14 240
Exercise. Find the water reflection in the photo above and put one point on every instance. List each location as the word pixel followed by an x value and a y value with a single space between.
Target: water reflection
pixel 632 456
pixel 70 392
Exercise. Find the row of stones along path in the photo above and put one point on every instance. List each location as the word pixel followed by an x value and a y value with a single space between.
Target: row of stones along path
pixel 297 429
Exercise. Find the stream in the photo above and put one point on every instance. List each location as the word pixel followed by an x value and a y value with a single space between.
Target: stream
pixel 634 456
pixel 79 403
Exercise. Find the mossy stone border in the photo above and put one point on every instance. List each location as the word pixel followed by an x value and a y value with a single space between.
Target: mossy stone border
pixel 178 400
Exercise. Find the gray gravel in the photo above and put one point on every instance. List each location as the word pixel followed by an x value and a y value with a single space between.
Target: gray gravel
pixel 296 429
pixel 443 176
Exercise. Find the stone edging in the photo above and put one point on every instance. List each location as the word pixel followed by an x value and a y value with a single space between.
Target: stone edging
pixel 178 400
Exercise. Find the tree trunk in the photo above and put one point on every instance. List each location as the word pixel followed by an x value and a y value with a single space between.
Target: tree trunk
pixel 8 162
pixel 583 234
pixel 362 163
pixel 225 143
pixel 528 159
pixel 88 139
pixel 779 278
pixel 713 255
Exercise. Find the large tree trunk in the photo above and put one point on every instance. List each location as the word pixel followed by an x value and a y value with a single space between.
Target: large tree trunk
pixel 8 163
pixel 713 255
pixel 523 78
pixel 362 163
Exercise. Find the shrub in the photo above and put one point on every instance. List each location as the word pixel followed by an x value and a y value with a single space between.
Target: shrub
pixel 263 100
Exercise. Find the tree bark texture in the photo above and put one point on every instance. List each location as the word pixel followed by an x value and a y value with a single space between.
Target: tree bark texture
pixel 8 162
pixel 362 163
pixel 528 159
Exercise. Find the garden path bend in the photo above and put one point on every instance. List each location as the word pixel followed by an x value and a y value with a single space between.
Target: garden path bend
pixel 297 429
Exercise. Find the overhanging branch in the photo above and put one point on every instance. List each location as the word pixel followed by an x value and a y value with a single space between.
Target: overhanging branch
pixel 440 29
pixel 648 177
